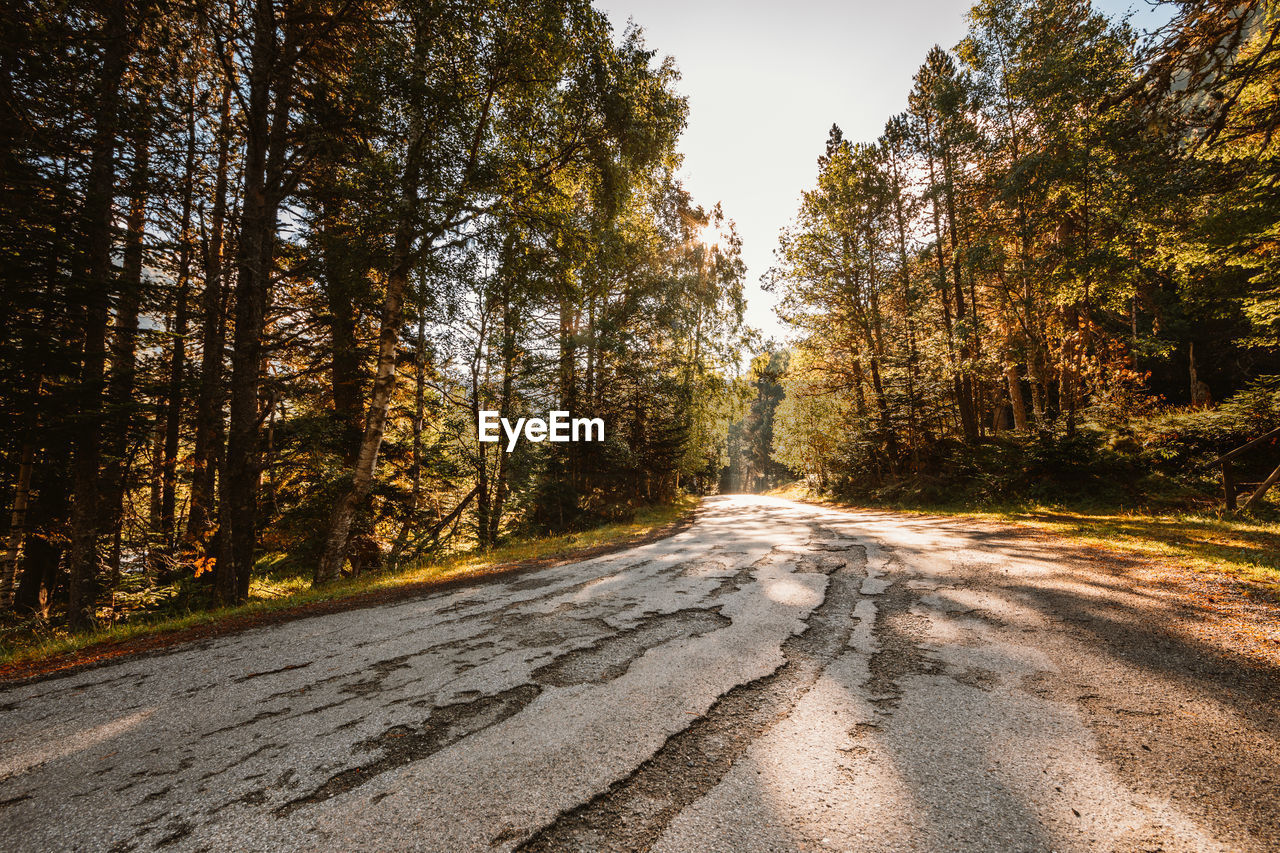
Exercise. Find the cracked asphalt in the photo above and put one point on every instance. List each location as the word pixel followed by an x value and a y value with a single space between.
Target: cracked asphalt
pixel 776 677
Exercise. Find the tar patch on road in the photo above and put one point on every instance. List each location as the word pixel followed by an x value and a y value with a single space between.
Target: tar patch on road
pixel 632 813
pixel 613 656
pixel 401 745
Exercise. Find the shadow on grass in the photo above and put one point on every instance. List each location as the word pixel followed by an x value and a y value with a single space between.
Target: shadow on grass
pixel 1250 550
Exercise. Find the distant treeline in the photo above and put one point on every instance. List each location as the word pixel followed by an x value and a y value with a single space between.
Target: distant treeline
pixel 1070 227
pixel 265 262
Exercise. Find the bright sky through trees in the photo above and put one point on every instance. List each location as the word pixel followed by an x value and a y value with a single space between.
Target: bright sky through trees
pixel 765 80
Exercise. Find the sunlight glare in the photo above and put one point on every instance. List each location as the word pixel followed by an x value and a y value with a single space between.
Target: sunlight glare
pixel 709 236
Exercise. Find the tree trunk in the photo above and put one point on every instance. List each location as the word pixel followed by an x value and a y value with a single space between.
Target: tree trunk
pixel 945 293
pixel 968 418
pixel 567 392
pixel 82 557
pixel 43 553
pixel 156 503
pixel 419 421
pixel 344 512
pixel 1039 387
pixel 859 394
pixel 124 351
pixel 340 285
pixel 875 342
pixel 419 405
pixel 1016 399
pixel 1067 392
pixel 17 525
pixel 908 303
pixel 504 408
pixel 408 227
pixel 266 142
pixel 177 364
pixel 482 462
pixel 212 341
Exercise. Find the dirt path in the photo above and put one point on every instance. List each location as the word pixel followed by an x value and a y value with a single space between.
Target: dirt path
pixel 776 677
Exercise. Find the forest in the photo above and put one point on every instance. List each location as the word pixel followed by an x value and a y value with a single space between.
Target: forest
pixel 265 262
pixel 1053 277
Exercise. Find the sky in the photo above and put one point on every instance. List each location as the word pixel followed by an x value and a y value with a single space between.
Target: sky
pixel 765 81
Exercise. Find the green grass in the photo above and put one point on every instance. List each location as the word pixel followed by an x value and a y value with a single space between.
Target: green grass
pixel 31 642
pixel 1238 546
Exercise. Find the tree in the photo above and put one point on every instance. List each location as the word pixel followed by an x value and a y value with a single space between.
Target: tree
pixel 233 232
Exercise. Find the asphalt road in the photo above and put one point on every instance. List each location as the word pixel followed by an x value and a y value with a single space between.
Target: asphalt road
pixel 775 677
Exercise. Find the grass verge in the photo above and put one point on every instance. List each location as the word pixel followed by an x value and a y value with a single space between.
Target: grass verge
pixel 1246 549
pixel 25 652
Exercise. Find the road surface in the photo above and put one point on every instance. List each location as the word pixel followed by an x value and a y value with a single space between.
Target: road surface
pixel 775 677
